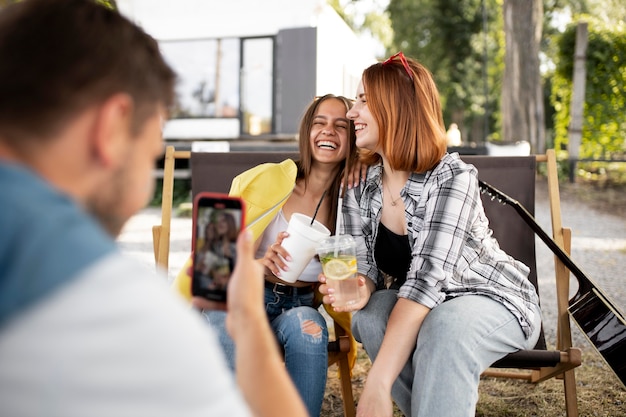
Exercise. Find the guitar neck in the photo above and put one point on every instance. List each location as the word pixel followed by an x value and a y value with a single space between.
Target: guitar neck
pixel 584 282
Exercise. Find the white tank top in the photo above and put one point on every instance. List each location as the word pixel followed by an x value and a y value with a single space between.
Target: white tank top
pixel 277 225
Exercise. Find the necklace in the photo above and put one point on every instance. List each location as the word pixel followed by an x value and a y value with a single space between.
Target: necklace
pixel 393 202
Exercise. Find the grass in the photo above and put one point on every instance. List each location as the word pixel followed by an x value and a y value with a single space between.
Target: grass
pixel 600 393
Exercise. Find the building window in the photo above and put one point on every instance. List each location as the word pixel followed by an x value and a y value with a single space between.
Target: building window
pixel 208 76
pixel 257 86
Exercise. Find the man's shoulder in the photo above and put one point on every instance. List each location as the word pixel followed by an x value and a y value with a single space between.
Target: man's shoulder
pixel 46 241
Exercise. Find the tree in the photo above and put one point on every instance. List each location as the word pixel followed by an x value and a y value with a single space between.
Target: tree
pixel 449 38
pixel 522 95
pixel 604 120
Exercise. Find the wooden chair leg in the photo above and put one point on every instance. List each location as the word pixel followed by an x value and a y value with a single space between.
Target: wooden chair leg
pixel 569 386
pixel 156 236
pixel 349 410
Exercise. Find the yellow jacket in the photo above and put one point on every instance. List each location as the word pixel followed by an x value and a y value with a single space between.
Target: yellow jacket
pixel 265 189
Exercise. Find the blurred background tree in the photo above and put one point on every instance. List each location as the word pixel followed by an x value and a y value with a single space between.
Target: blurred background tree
pixel 504 67
pixel 604 120
pixel 507 79
pixel 461 42
pixel 523 117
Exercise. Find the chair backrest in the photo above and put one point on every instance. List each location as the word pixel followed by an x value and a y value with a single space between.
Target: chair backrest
pixel 513 234
pixel 515 176
pixel 215 171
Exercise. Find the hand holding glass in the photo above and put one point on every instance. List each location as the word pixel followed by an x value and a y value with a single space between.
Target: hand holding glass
pixel 338 257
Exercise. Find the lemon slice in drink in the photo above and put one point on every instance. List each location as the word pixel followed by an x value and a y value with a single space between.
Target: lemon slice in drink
pixel 339 270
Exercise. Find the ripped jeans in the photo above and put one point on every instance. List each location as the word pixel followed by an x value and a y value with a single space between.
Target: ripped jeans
pixel 302 334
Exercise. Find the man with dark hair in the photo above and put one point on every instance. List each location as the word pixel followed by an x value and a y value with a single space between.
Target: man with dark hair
pixel 84 330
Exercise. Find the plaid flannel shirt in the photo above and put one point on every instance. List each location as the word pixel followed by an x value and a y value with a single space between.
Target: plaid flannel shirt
pixel 453 250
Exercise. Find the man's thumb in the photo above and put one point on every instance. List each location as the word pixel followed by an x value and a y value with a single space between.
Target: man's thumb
pixel 245 243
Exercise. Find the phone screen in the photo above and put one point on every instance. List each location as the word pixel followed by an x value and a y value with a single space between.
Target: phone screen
pixel 217 221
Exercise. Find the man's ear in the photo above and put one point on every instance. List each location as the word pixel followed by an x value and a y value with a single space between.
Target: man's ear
pixel 112 129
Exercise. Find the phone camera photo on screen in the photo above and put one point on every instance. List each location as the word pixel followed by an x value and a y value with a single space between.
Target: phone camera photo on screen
pixel 217 221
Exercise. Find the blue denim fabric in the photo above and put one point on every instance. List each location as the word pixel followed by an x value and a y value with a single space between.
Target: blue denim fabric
pixel 217 320
pixel 306 355
pixel 458 340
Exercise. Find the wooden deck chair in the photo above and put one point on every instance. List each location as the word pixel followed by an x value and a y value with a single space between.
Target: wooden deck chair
pixel 515 176
pixel 214 172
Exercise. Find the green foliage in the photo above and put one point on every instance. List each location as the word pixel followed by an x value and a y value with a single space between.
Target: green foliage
pixel 447 37
pixel 347 17
pixel 602 174
pixel 182 192
pixel 604 124
pixel 108 3
pixel 374 21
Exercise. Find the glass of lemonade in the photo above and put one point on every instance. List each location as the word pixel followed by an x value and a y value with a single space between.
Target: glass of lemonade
pixel 338 257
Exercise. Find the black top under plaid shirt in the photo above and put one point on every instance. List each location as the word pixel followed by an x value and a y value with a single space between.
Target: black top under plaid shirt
pixel 453 250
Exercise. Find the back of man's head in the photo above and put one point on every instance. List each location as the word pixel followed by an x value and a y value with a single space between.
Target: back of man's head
pixel 58 57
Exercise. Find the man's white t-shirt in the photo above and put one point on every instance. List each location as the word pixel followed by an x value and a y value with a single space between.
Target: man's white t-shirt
pixel 114 342
pixel 86 331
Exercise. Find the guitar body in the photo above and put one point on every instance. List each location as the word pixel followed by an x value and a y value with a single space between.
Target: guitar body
pixel 604 328
pixel 596 316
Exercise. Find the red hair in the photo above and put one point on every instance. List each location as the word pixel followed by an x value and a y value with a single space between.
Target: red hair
pixel 408 112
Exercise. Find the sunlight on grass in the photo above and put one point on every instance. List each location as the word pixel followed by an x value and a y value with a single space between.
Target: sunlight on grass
pixel 600 393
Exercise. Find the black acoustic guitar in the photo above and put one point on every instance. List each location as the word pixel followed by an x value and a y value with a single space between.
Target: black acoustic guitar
pixel 596 315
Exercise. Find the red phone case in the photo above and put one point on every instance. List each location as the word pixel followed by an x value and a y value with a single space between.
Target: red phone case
pixel 205 283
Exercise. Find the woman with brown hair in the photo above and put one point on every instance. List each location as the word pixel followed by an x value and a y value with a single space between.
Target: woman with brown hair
pixel 327 154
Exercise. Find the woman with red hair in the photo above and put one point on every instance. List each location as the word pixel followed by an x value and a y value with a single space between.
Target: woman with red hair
pixel 440 301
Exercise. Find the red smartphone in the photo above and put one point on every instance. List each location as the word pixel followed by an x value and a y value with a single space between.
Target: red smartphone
pixel 217 221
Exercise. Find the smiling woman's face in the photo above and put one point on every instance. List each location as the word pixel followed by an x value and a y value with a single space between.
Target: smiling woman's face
pixel 330 132
pixel 364 124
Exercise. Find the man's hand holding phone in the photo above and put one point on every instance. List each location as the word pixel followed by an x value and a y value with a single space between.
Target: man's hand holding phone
pixel 217 220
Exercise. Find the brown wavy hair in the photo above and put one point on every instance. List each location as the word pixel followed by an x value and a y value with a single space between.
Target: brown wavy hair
pixel 408 112
pixel 306 156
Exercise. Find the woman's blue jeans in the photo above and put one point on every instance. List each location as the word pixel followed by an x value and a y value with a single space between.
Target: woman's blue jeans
pixel 302 334
pixel 458 340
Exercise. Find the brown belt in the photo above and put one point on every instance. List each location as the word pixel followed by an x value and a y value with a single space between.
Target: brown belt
pixel 283 289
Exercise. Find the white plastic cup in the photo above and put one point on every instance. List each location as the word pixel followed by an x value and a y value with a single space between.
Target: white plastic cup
pixel 338 257
pixel 301 244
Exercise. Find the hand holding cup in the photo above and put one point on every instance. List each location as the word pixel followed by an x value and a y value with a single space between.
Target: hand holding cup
pixel 338 257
